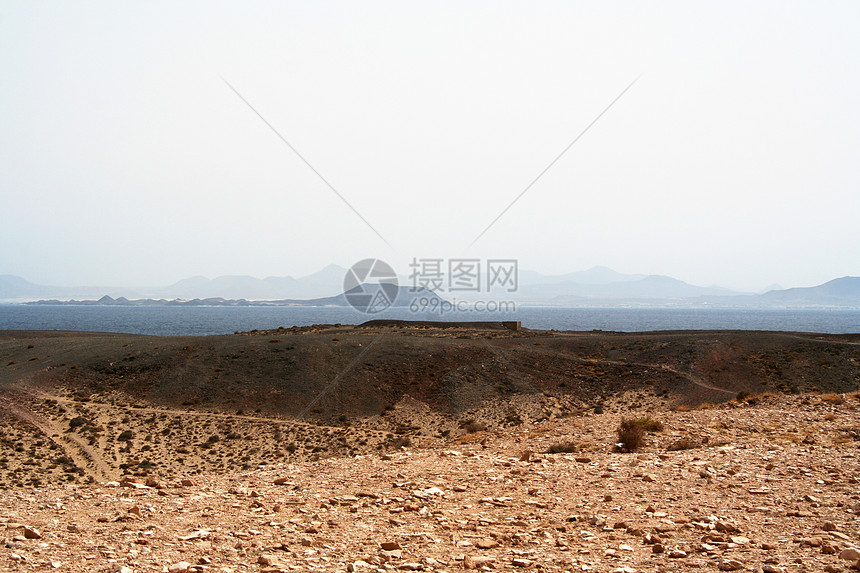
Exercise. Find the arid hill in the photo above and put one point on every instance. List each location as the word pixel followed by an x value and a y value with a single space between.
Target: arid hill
pixel 107 405
pixel 420 447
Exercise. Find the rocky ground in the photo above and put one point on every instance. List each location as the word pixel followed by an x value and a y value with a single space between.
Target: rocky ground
pixel 411 447
pixel 768 486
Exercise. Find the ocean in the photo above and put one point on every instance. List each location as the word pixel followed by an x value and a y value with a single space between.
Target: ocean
pixel 181 321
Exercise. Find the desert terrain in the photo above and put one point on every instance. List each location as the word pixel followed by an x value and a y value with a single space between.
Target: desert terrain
pixel 406 446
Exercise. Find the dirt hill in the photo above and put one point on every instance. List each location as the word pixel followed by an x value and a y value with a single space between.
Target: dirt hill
pixel 416 447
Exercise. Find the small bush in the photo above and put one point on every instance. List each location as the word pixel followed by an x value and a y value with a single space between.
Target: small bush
pixel 563 448
pixel 649 424
pixel 78 421
pixel 401 442
pixel 631 435
pixel 684 443
pixel 125 436
pixel 472 426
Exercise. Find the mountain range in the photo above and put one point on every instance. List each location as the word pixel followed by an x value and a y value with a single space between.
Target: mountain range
pixel 598 286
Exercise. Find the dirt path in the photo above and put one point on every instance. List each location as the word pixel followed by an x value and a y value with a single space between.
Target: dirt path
pixel 693 379
pixel 172 411
pixel 83 456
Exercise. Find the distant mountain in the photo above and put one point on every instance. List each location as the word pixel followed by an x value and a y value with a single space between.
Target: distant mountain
pixel 598 286
pixel 16 289
pixel 12 287
pixel 651 287
pixel 404 298
pixel 844 291
pixel 328 281
pixel 593 276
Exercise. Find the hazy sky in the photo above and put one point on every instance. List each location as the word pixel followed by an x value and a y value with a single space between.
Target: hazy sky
pixel 126 160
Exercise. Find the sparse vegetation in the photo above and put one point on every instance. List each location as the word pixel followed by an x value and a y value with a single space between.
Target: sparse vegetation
pixel 563 448
pixel 684 443
pixel 649 424
pixel 631 436
pixel 401 442
pixel 472 426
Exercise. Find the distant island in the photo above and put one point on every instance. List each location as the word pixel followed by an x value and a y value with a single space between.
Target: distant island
pixel 405 297
pixel 596 287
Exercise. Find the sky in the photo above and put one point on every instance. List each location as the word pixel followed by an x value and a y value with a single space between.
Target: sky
pixel 127 159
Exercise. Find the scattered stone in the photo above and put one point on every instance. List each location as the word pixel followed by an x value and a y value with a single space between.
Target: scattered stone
pixel 730 565
pixel 181 567
pixel 476 562
pixel 726 527
pixel 32 533
pixel 829 548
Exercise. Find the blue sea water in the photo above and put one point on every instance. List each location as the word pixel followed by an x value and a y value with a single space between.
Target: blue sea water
pixel 164 320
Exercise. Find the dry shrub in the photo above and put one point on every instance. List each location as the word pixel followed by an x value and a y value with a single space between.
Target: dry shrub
pixel 852 434
pixel 682 408
pixel 401 442
pixel 706 406
pixel 563 448
pixel 832 398
pixel 649 424
pixel 684 443
pixel 471 426
pixel 469 438
pixel 631 435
